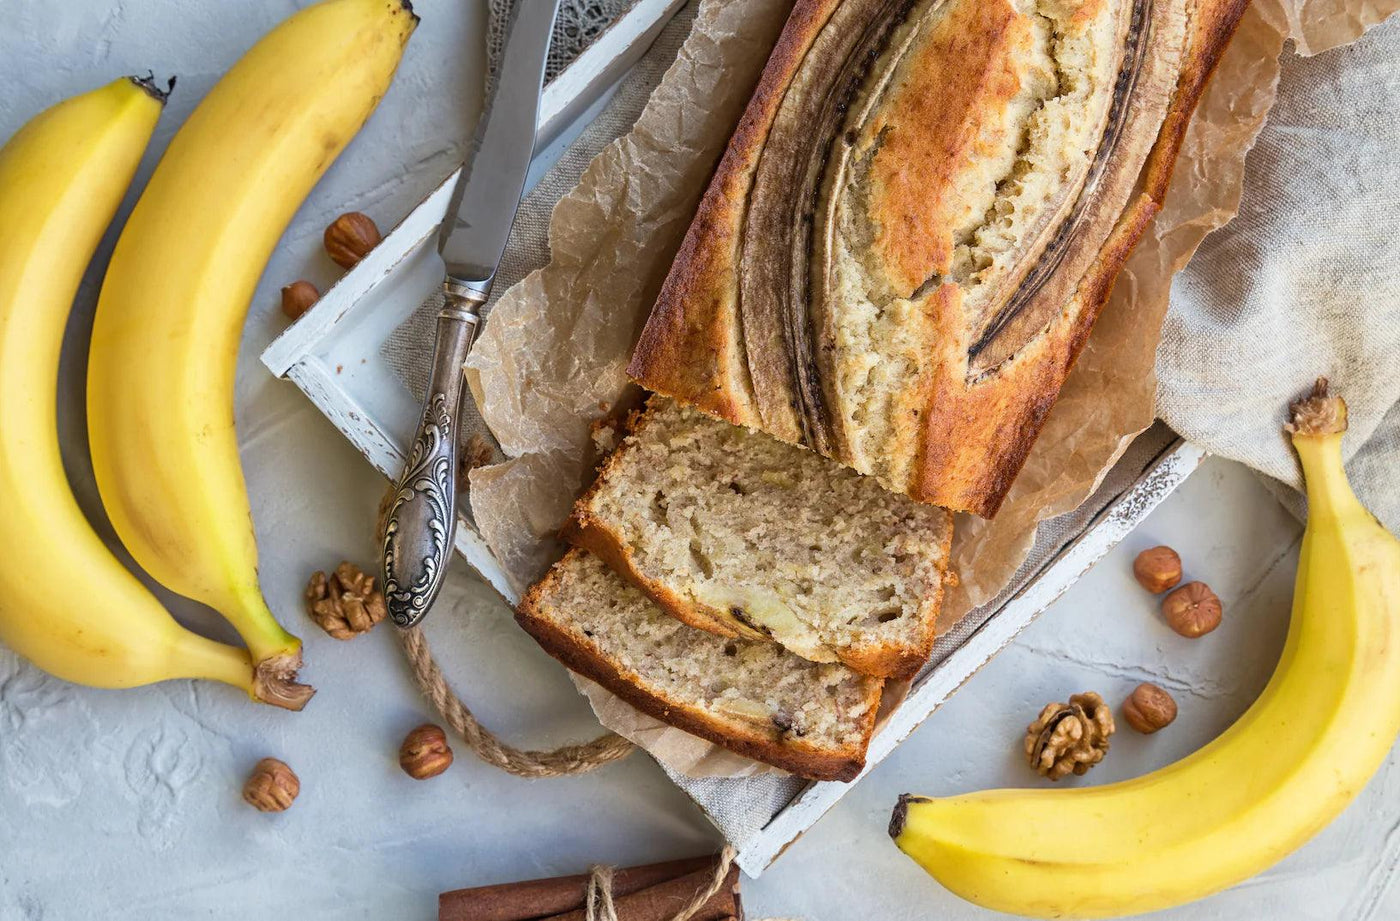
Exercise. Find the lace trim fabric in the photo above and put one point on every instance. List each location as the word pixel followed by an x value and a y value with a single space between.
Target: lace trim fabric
pixel 578 24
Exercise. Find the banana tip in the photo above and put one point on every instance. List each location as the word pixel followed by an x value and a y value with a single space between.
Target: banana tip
pixel 148 83
pixel 901 813
pixel 1318 413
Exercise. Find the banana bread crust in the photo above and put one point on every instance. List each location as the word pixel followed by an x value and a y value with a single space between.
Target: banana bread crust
pixel 881 661
pixel 588 531
pixel 575 651
pixel 959 431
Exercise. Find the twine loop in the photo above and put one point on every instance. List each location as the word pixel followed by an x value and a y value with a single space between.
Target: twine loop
pixel 569 759
pixel 598 901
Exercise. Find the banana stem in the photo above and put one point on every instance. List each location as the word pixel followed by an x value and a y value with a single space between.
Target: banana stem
pixel 200 657
pixel 274 682
pixel 1317 414
pixel 276 653
pixel 1317 424
pixel 265 637
pixel 1328 491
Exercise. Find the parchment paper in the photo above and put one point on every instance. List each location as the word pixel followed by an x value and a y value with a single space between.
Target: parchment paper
pixel 551 358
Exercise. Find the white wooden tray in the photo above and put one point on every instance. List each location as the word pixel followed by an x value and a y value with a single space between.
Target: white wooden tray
pixel 333 353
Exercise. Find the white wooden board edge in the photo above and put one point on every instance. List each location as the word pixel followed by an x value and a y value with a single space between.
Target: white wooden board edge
pixel 1119 519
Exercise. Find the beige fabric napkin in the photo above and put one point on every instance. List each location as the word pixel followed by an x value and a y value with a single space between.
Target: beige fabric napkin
pixel 1306 280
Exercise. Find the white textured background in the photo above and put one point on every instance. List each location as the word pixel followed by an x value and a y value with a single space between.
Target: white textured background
pixel 125 805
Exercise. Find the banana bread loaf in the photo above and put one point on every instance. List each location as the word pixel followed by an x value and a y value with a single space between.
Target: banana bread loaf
pixel 741 534
pixel 753 698
pixel 930 201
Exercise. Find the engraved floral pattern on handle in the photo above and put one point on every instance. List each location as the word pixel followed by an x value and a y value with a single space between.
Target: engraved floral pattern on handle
pixel 427 479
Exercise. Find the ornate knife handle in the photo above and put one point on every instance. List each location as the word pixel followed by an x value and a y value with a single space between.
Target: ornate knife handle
pixel 423 517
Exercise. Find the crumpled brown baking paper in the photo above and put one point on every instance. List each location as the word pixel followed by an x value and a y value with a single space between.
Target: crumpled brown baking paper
pixel 552 356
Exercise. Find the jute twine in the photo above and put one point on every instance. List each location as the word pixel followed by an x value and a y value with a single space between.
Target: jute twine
pixel 598 900
pixel 570 759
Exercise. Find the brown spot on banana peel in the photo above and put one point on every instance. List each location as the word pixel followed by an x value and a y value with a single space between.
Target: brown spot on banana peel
pixel 900 815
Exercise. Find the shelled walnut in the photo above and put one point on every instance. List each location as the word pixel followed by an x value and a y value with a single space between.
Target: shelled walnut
pixel 1069 737
pixel 346 603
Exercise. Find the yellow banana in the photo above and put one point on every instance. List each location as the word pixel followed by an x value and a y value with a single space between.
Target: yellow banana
pixel 66 603
pixel 1308 745
pixel 171 312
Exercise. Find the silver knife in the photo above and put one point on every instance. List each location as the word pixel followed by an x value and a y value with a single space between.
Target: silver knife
pixel 423 516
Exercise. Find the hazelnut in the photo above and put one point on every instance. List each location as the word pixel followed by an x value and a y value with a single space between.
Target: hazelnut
pixel 425 752
pixel 298 297
pixel 1157 569
pixel 271 787
pixel 350 238
pixel 1192 610
pixel 1149 708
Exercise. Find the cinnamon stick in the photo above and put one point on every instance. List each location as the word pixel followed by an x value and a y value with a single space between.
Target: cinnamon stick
pixel 662 901
pixel 540 898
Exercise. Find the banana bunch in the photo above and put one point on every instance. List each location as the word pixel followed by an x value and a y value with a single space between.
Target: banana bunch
pixel 1293 761
pixel 66 603
pixel 164 348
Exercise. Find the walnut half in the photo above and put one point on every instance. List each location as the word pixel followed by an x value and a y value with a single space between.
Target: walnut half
pixel 346 603
pixel 1070 737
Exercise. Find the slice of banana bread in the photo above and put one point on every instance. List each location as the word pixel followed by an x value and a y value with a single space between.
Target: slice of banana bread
pixel 740 534
pixel 753 698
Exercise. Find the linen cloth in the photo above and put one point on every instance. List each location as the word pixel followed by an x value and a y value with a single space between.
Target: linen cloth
pixel 1305 281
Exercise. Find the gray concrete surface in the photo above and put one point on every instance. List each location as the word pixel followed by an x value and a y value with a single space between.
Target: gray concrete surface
pixel 125 805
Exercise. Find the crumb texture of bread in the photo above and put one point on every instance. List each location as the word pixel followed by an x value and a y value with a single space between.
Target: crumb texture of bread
pixel 930 201
pixel 754 698
pixel 739 533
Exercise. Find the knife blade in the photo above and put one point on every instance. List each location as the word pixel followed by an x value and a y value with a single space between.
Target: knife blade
pixel 422 519
pixel 487 195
